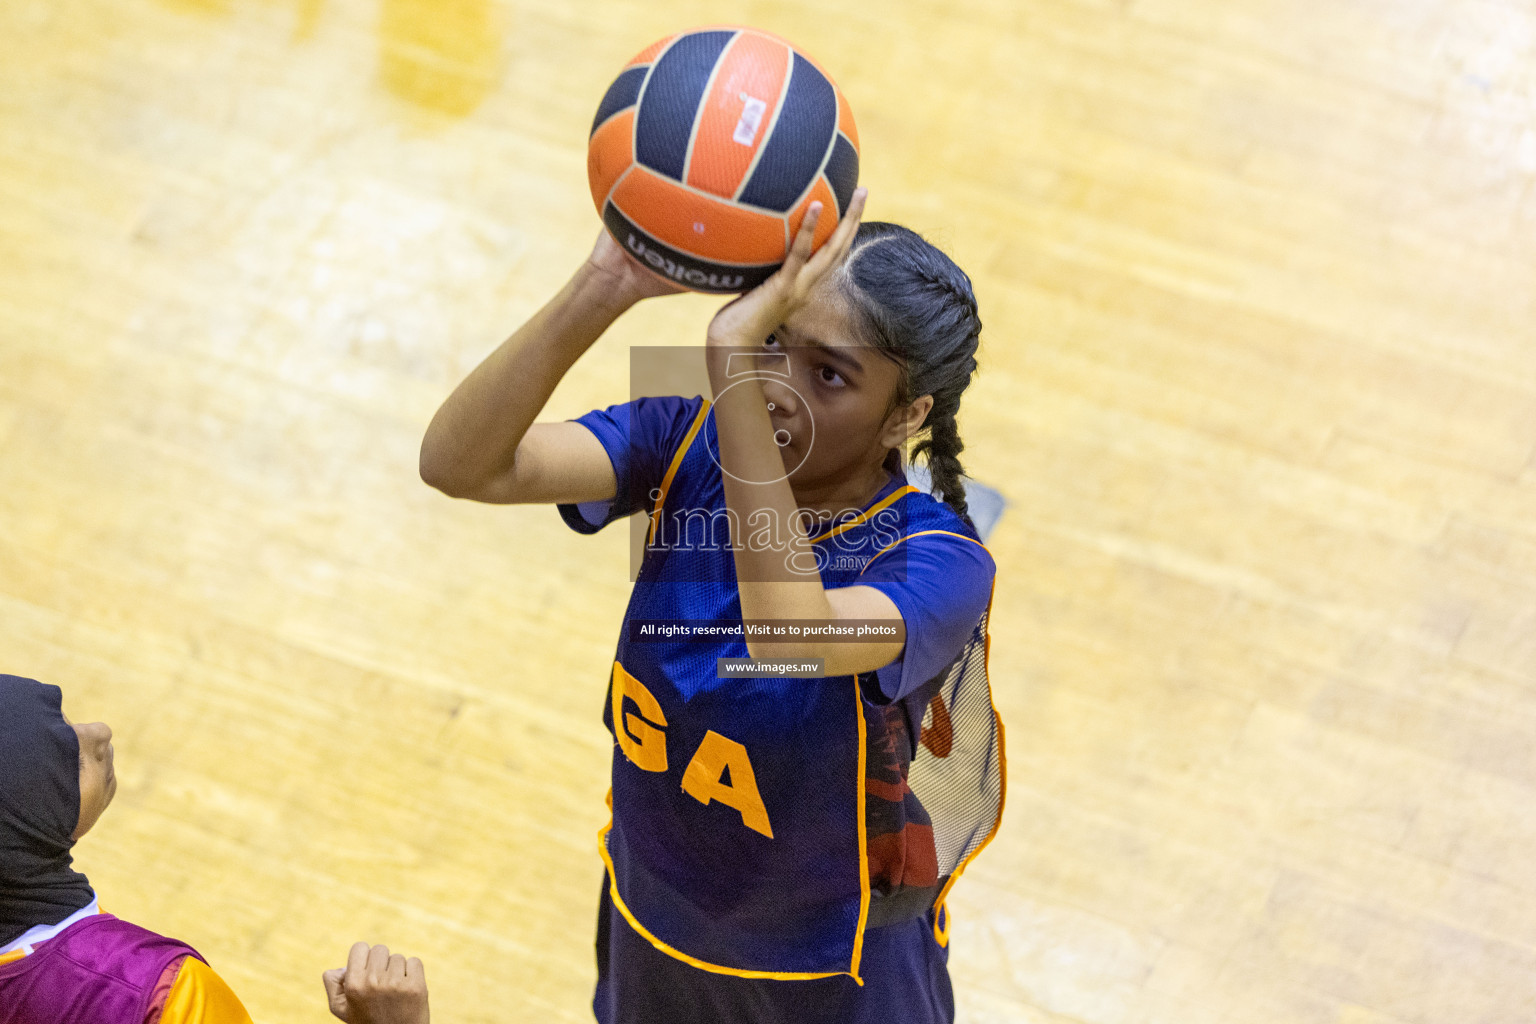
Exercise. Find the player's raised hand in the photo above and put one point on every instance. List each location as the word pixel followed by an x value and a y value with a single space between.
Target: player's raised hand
pixel 747 320
pixel 629 279
pixel 377 987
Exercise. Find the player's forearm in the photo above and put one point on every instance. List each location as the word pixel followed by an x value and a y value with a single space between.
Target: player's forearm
pixel 473 438
pixel 779 580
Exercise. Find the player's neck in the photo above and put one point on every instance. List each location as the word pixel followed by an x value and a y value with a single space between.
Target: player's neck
pixel 842 496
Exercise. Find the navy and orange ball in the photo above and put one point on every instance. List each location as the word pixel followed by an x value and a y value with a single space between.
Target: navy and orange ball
pixel 708 150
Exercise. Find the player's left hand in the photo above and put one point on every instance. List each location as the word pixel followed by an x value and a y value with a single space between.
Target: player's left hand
pixel 745 321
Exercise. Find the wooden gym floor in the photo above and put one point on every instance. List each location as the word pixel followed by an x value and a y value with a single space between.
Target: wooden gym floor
pixel 1258 380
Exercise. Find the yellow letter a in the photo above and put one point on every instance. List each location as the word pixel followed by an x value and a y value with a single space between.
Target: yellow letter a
pixel 701 780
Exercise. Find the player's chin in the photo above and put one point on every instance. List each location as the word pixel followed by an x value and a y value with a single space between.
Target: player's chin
pixel 801 467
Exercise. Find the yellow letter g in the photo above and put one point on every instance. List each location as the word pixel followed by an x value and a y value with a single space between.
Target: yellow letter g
pixel 644 743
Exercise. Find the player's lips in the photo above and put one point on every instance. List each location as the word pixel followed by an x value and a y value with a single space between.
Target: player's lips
pixel 789 430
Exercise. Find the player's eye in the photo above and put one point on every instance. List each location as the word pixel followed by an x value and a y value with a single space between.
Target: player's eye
pixel 830 377
pixel 772 340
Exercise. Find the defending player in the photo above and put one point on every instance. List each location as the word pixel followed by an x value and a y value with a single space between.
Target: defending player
pixel 780 847
pixel 63 960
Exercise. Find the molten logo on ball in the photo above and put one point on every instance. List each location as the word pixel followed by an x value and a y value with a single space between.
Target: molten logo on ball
pixel 685 275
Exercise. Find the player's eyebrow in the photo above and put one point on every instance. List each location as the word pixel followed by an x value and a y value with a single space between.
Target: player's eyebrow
pixel 836 353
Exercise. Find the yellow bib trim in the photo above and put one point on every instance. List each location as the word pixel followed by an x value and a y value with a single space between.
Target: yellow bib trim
pixel 677 460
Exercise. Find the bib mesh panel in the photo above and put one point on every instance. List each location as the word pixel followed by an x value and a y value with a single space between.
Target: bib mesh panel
pixel 956 771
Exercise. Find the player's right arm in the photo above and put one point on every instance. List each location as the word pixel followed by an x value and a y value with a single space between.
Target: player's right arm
pixel 483 443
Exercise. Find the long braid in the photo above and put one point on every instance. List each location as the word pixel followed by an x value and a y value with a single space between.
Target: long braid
pixel 942 447
pixel 919 306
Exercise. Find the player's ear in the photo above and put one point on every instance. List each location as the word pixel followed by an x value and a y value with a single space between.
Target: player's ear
pixel 905 421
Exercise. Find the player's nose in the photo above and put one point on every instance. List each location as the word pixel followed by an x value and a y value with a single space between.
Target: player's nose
pixel 783 403
pixel 96 737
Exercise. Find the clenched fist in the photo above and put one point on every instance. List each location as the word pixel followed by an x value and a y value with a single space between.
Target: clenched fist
pixel 378 988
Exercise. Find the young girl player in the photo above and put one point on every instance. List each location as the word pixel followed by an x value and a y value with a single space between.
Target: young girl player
pixel 780 846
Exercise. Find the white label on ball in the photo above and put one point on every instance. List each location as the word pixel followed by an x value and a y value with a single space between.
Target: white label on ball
pixel 751 117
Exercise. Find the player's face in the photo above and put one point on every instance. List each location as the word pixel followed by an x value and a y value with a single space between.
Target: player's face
pixel 98 776
pixel 837 383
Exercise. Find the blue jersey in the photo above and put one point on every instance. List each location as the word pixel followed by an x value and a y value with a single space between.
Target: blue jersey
pixel 762 825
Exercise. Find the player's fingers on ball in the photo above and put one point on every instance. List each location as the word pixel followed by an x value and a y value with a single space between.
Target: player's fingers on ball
pixel 808 223
pixel 397 967
pixel 851 222
pixel 856 204
pixel 838 246
pixel 827 258
pixel 357 960
pixel 332 981
pixel 416 970
pixel 805 238
pixel 848 227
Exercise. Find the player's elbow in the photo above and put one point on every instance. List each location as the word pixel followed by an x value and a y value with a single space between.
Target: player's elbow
pixel 441 473
pixel 436 474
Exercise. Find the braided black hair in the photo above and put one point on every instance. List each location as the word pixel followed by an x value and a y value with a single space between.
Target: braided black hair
pixel 918 306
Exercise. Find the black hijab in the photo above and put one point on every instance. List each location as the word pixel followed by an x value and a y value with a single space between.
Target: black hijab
pixel 39 809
